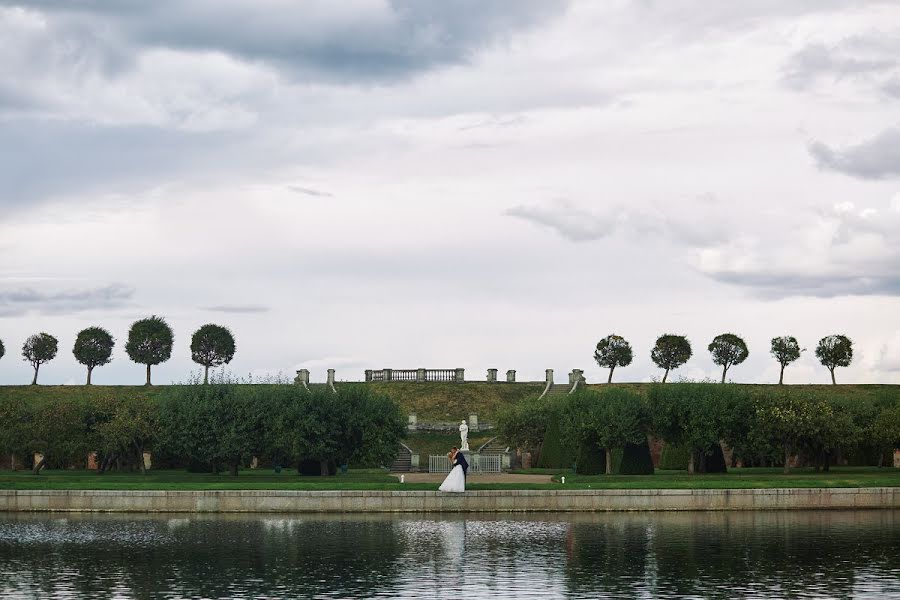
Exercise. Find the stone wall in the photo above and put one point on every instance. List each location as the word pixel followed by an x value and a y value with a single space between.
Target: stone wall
pixel 269 501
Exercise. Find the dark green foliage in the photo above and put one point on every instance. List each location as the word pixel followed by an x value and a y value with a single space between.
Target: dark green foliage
pixel 2 349
pixel 834 351
pixel 611 352
pixel 224 424
pixel 524 424
pixel 553 454
pixel 636 459
pixel 674 458
pixel 786 350
pixel 150 342
pixel 728 350
pixel 38 349
pixel 713 460
pixel 212 346
pixel 93 348
pixel 670 352
pixel 591 459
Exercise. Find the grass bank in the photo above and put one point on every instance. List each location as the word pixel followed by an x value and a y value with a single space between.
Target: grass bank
pixel 757 478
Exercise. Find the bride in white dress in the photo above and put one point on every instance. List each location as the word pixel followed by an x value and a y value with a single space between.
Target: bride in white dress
pixel 456 479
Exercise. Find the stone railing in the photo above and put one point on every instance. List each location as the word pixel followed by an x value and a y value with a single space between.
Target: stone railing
pixel 417 375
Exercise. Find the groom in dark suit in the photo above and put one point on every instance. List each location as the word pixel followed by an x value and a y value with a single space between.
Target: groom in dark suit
pixel 461 461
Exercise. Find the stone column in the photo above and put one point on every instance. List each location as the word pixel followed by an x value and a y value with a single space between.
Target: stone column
pixel 330 381
pixel 492 376
pixel 368 374
pixel 302 378
pixel 548 376
pixel 413 423
pixel 388 374
pixel 148 460
pixel 420 375
pixel 473 422
pixel 460 375
pixel 511 376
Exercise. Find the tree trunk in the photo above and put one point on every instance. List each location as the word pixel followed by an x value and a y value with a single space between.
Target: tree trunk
pixel 36 367
pixel 611 369
pixel 666 374
pixel 323 468
pixel 787 459
pixel 826 462
pixel 608 452
pixel 148 375
pixel 40 465
pixel 233 471
pixel 206 374
pixel 833 382
pixel 781 376
pixel 89 376
pixel 702 456
pixel 724 372
pixel 691 461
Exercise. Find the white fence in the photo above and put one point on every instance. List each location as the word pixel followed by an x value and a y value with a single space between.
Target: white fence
pixel 488 463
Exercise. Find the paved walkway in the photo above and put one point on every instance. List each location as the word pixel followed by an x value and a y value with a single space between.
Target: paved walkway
pixel 486 478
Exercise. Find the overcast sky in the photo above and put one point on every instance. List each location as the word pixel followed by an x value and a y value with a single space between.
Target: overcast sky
pixel 465 183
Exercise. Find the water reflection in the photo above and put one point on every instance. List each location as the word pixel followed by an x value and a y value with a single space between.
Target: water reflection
pixel 621 555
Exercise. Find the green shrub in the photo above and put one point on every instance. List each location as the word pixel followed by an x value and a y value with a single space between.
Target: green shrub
pixel 636 460
pixel 674 458
pixel 591 459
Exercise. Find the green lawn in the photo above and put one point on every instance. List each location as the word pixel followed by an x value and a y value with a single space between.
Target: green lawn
pixel 374 479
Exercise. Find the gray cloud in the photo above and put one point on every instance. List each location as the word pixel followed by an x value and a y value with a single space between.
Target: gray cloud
pixel 567 219
pixel 324 40
pixel 310 191
pixel 852 59
pixel 17 302
pixel 238 308
pixel 875 158
pixel 769 283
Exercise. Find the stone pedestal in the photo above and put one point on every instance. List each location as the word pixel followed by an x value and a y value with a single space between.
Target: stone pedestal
pixel 302 378
pixel 460 375
pixel 420 375
pixel 473 422
pixel 330 381
pixel 511 376
pixel 148 462
pixel 548 376
pixel 492 375
pixel 413 423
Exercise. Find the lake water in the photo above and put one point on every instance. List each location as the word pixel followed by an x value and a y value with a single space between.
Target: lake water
pixel 612 555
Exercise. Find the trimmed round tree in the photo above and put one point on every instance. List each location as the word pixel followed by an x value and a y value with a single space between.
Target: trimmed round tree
pixel 786 350
pixel 613 351
pixel 670 352
pixel 150 342
pixel 728 350
pixel 834 351
pixel 212 346
pixel 38 349
pixel 93 348
pixel 2 349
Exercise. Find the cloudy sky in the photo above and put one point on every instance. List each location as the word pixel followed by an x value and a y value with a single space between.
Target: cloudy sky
pixel 465 183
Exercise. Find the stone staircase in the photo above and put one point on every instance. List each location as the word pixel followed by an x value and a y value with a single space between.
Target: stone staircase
pixel 403 462
pixel 558 389
pixel 493 446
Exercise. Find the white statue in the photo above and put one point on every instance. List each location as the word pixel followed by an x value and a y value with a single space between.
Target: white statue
pixel 464 436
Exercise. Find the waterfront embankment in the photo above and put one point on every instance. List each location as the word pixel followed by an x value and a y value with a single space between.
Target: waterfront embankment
pixel 361 501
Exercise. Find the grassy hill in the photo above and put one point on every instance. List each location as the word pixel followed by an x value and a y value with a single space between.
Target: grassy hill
pixel 431 402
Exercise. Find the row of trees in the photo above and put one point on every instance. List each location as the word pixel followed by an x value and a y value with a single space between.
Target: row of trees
pixel 727 350
pixel 214 427
pixel 149 343
pixel 763 426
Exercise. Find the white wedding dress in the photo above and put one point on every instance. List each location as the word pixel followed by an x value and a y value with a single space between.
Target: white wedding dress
pixel 455 481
